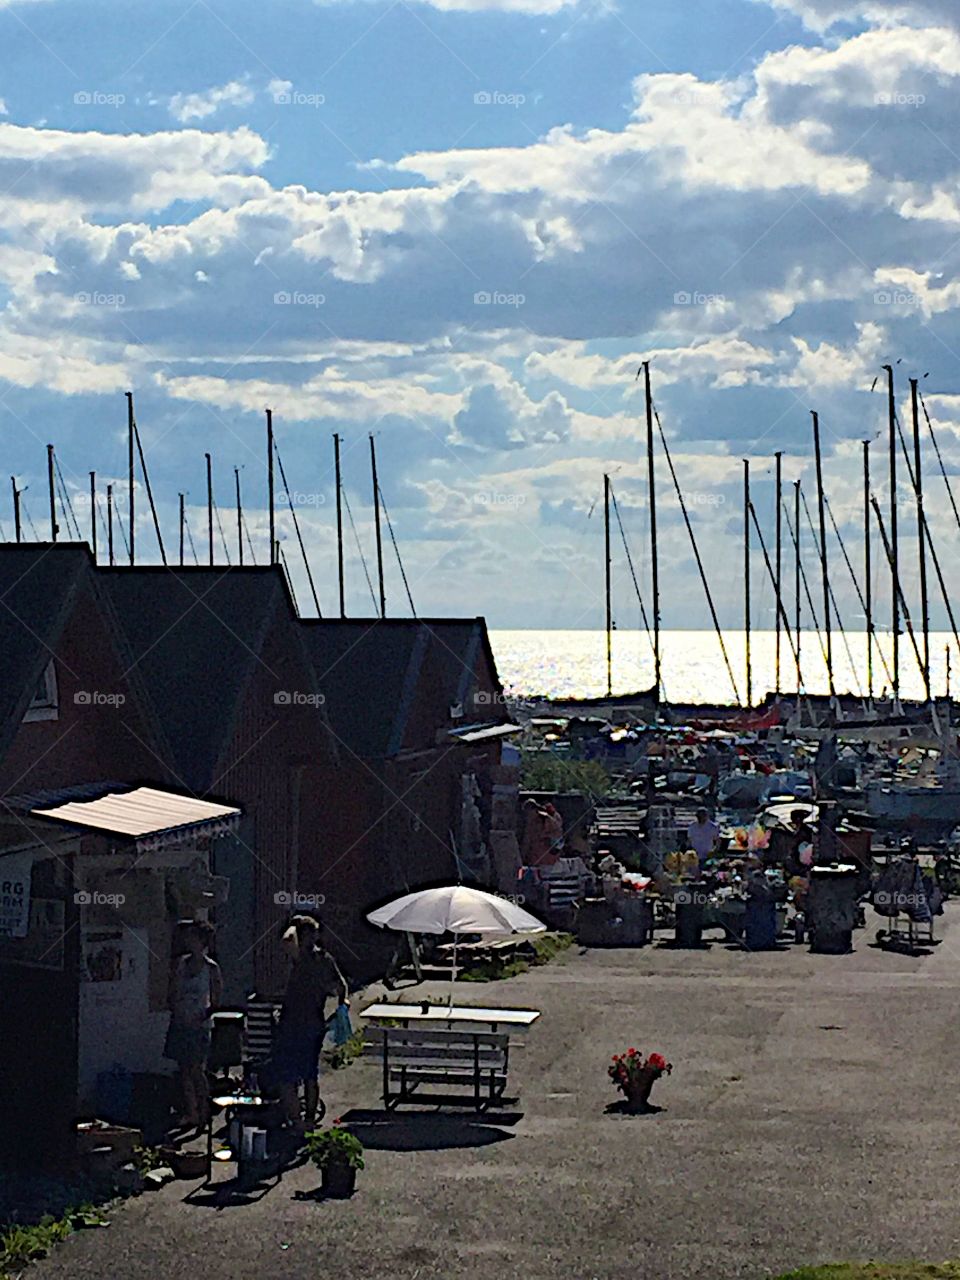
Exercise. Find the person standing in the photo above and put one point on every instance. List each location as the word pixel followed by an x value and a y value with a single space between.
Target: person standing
pixel 314 977
pixel 703 836
pixel 196 986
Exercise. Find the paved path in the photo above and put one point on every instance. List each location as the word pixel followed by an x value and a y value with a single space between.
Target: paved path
pixel 812 1115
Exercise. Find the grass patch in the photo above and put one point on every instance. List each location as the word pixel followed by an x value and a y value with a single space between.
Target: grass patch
pixel 541 950
pixel 343 1054
pixel 878 1271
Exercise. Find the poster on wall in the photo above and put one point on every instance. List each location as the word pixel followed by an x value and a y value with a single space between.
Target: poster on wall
pixel 102 955
pixel 15 871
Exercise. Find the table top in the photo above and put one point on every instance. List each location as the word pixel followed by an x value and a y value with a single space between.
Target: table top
pixel 458 1013
pixel 241 1100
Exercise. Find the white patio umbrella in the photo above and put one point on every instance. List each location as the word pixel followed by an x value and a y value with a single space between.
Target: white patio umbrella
pixel 455 909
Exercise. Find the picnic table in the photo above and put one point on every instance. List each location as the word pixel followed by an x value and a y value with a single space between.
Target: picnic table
pixel 468 1015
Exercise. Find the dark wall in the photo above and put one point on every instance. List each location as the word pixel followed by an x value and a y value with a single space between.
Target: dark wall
pixel 38 1036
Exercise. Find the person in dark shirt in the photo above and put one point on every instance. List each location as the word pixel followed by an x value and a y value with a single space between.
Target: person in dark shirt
pixel 303 1017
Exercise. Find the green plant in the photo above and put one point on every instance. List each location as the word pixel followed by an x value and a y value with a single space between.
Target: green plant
pixel 541 771
pixel 494 970
pixel 334 1146
pixel 147 1158
pixel 343 1054
pixel 546 946
pixel 21 1245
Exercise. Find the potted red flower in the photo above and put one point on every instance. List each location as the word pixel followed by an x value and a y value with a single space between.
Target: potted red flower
pixel 635 1076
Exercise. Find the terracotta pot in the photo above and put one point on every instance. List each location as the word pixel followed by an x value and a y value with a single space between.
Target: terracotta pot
pixel 637 1091
pixel 338 1180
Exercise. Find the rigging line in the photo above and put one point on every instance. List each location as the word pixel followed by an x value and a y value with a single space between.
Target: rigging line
pixel 633 575
pixel 103 524
pixel 146 478
pixel 123 532
pixel 223 539
pixel 943 470
pixel 782 613
pixel 296 525
pixel 836 608
pixel 26 512
pixel 253 554
pixel 925 526
pixel 286 572
pixel 186 525
pixel 856 584
pixel 896 578
pixel 806 586
pixel 396 549
pixel 366 574
pixel 65 498
pixel 696 552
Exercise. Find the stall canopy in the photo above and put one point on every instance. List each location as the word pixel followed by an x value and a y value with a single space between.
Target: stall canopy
pixel 485 732
pixel 146 815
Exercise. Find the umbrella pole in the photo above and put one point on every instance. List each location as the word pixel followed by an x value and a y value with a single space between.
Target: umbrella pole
pixel 453 971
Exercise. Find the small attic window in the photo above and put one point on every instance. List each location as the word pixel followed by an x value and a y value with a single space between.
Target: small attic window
pixel 45 704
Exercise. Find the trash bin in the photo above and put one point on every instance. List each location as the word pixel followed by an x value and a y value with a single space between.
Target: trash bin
pixel 689 902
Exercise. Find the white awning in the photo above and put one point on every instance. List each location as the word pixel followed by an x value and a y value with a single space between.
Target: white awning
pixel 151 817
pixel 482 733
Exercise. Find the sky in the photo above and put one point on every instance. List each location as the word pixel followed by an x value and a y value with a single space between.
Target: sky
pixel 460 226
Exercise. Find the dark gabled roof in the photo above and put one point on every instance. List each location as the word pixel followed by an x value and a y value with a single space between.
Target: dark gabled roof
pixel 38 587
pixel 369 669
pixel 195 635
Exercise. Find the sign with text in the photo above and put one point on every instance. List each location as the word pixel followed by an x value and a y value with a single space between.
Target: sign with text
pixel 15 894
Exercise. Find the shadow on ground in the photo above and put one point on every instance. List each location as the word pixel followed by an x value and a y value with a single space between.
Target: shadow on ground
pixel 428 1130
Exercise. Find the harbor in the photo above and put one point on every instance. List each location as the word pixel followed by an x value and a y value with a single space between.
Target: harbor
pixel 479 639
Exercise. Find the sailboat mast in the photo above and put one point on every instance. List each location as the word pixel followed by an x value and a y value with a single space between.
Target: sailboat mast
pixel 823 552
pixel 376 521
pixel 110 524
pixel 131 483
pixel 894 552
pixel 236 478
pixel 797 572
pixel 336 463
pixel 867 571
pixel 652 498
pixel 778 583
pixel 182 523
pixel 606 562
pixel 921 518
pixel 746 578
pixel 270 489
pixel 209 505
pixel 16 509
pixel 54 527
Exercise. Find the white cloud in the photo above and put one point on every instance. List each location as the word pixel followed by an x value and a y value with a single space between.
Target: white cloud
pixel 536 8
pixel 821 15
pixel 198 106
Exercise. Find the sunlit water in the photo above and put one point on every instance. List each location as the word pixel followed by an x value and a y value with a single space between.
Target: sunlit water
pixel 563 664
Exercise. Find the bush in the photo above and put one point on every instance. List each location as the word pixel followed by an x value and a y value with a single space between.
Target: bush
pixel 541 771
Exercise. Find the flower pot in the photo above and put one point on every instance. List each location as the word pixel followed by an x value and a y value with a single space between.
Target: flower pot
pixel 637 1091
pixel 338 1180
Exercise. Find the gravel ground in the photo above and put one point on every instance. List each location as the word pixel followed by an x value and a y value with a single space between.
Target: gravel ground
pixel 809 1118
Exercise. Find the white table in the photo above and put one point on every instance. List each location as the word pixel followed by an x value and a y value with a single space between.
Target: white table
pixel 462 1013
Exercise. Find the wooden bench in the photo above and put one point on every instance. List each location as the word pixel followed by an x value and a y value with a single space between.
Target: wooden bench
pixel 414 1056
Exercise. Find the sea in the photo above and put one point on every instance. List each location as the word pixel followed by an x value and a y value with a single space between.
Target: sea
pixel 566 664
